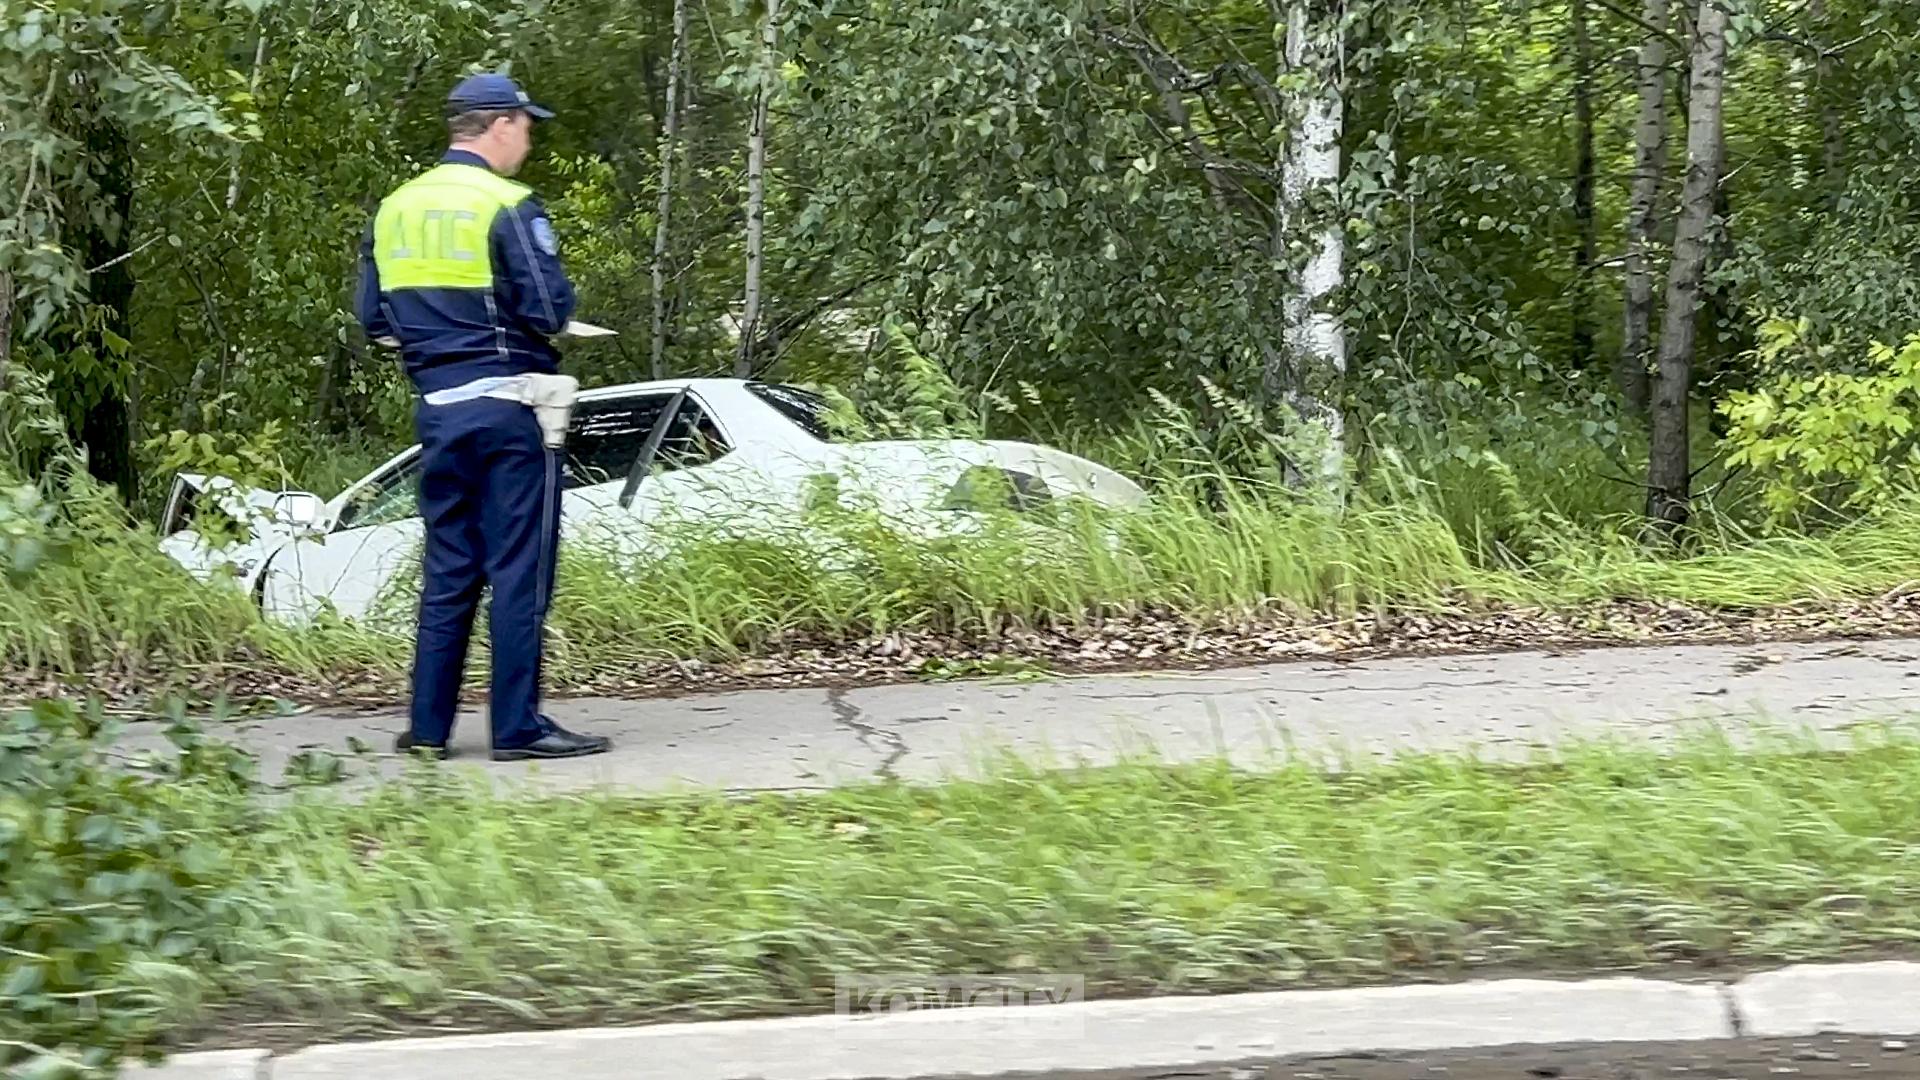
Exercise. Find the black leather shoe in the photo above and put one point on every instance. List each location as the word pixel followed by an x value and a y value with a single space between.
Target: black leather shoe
pixel 558 742
pixel 406 744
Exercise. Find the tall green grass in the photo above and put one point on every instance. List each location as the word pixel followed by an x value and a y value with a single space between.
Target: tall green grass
pixel 442 899
pixel 1207 551
pixel 1222 539
pixel 728 596
pixel 104 597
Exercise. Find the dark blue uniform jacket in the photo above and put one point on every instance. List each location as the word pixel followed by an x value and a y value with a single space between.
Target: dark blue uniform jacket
pixel 453 336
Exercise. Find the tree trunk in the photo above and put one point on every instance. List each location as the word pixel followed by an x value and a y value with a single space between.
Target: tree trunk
pixel 1154 61
pixel 107 431
pixel 1315 355
pixel 669 146
pixel 253 91
pixel 1585 241
pixel 334 410
pixel 203 366
pixel 1833 135
pixel 1721 322
pixel 6 325
pixel 91 383
pixel 1669 467
pixel 757 193
pixel 190 399
pixel 1182 119
pixel 1643 219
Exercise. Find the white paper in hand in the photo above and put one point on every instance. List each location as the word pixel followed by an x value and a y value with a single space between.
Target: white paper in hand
pixel 574 329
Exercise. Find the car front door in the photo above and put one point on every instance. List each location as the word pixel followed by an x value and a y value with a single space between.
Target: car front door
pixel 372 542
pixel 361 567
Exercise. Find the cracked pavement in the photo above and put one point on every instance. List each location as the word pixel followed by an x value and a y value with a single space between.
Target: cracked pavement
pixel 1498 704
pixel 849 716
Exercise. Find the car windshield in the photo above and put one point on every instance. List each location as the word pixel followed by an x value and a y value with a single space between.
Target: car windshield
pixel 813 413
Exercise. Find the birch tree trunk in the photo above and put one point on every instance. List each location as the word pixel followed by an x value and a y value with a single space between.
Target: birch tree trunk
pixel 757 193
pixel 196 383
pixel 1643 217
pixel 668 148
pixel 1314 338
pixel 1669 467
pixel 253 91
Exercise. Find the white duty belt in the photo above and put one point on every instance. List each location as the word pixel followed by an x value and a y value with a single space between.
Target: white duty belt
pixel 550 397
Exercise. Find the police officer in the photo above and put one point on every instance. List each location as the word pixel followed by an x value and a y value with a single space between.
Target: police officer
pixel 460 267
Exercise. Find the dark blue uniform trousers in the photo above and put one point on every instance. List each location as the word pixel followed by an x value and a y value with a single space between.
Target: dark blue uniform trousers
pixel 490 498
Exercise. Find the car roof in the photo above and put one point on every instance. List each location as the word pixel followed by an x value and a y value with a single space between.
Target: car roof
pixel 622 389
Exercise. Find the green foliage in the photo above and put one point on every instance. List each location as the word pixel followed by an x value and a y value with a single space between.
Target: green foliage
pixel 247 459
pixel 433 896
pixel 91 47
pixel 115 603
pixel 30 532
pixel 1083 200
pixel 1210 551
pixel 1825 438
pixel 1010 190
pixel 907 394
pixel 114 895
pixel 1850 268
pixel 1218 540
pixel 984 162
pixel 253 458
pixel 608 249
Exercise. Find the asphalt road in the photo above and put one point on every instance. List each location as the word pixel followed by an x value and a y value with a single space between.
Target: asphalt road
pixel 1499 704
pixel 1855 1057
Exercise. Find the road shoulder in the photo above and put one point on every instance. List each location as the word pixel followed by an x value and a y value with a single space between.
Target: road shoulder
pixel 1120 1035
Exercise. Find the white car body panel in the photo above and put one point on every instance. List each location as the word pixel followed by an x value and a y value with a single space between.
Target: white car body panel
pixel 759 486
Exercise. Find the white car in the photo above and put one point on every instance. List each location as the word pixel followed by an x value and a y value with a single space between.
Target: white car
pixel 644 463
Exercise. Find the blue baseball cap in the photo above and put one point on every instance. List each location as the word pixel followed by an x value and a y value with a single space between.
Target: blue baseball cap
pixel 492 91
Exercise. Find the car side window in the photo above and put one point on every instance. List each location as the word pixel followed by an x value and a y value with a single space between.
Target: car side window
pixel 603 442
pixel 693 439
pixel 606 437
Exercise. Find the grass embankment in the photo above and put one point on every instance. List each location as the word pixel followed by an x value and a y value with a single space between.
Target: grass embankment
pixel 1206 552
pixel 432 903
pixel 122 607
pixel 734 599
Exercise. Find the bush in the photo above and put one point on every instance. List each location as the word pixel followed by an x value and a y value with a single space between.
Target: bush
pixel 115 890
pixel 1821 437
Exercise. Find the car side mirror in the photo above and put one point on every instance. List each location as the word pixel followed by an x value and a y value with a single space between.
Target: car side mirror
pixel 304 511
